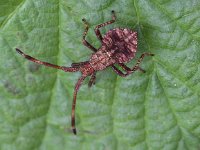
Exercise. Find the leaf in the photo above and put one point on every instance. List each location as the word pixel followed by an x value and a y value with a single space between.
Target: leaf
pixel 156 110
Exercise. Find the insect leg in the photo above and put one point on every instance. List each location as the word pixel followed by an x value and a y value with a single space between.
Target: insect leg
pixel 86 43
pixel 77 86
pixel 127 69
pixel 140 60
pixel 92 80
pixel 67 69
pixel 97 31
pixel 119 72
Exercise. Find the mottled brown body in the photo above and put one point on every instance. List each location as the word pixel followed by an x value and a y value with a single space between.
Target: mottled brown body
pixel 118 46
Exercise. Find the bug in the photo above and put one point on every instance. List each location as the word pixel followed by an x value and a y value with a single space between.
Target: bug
pixel 118 46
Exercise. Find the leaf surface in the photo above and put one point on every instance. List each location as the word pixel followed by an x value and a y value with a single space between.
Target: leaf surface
pixel 156 110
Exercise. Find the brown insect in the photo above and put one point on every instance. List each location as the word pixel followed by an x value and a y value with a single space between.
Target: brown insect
pixel 118 46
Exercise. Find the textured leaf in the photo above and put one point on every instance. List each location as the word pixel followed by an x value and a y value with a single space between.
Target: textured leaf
pixel 156 110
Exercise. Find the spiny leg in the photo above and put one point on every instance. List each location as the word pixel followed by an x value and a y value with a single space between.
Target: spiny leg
pixel 86 43
pixel 129 70
pixel 97 31
pixel 98 34
pixel 119 72
pixel 92 80
pixel 77 86
pixel 125 68
pixel 140 60
pixel 67 69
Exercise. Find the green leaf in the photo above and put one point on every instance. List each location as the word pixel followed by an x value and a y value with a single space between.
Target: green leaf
pixel 156 110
